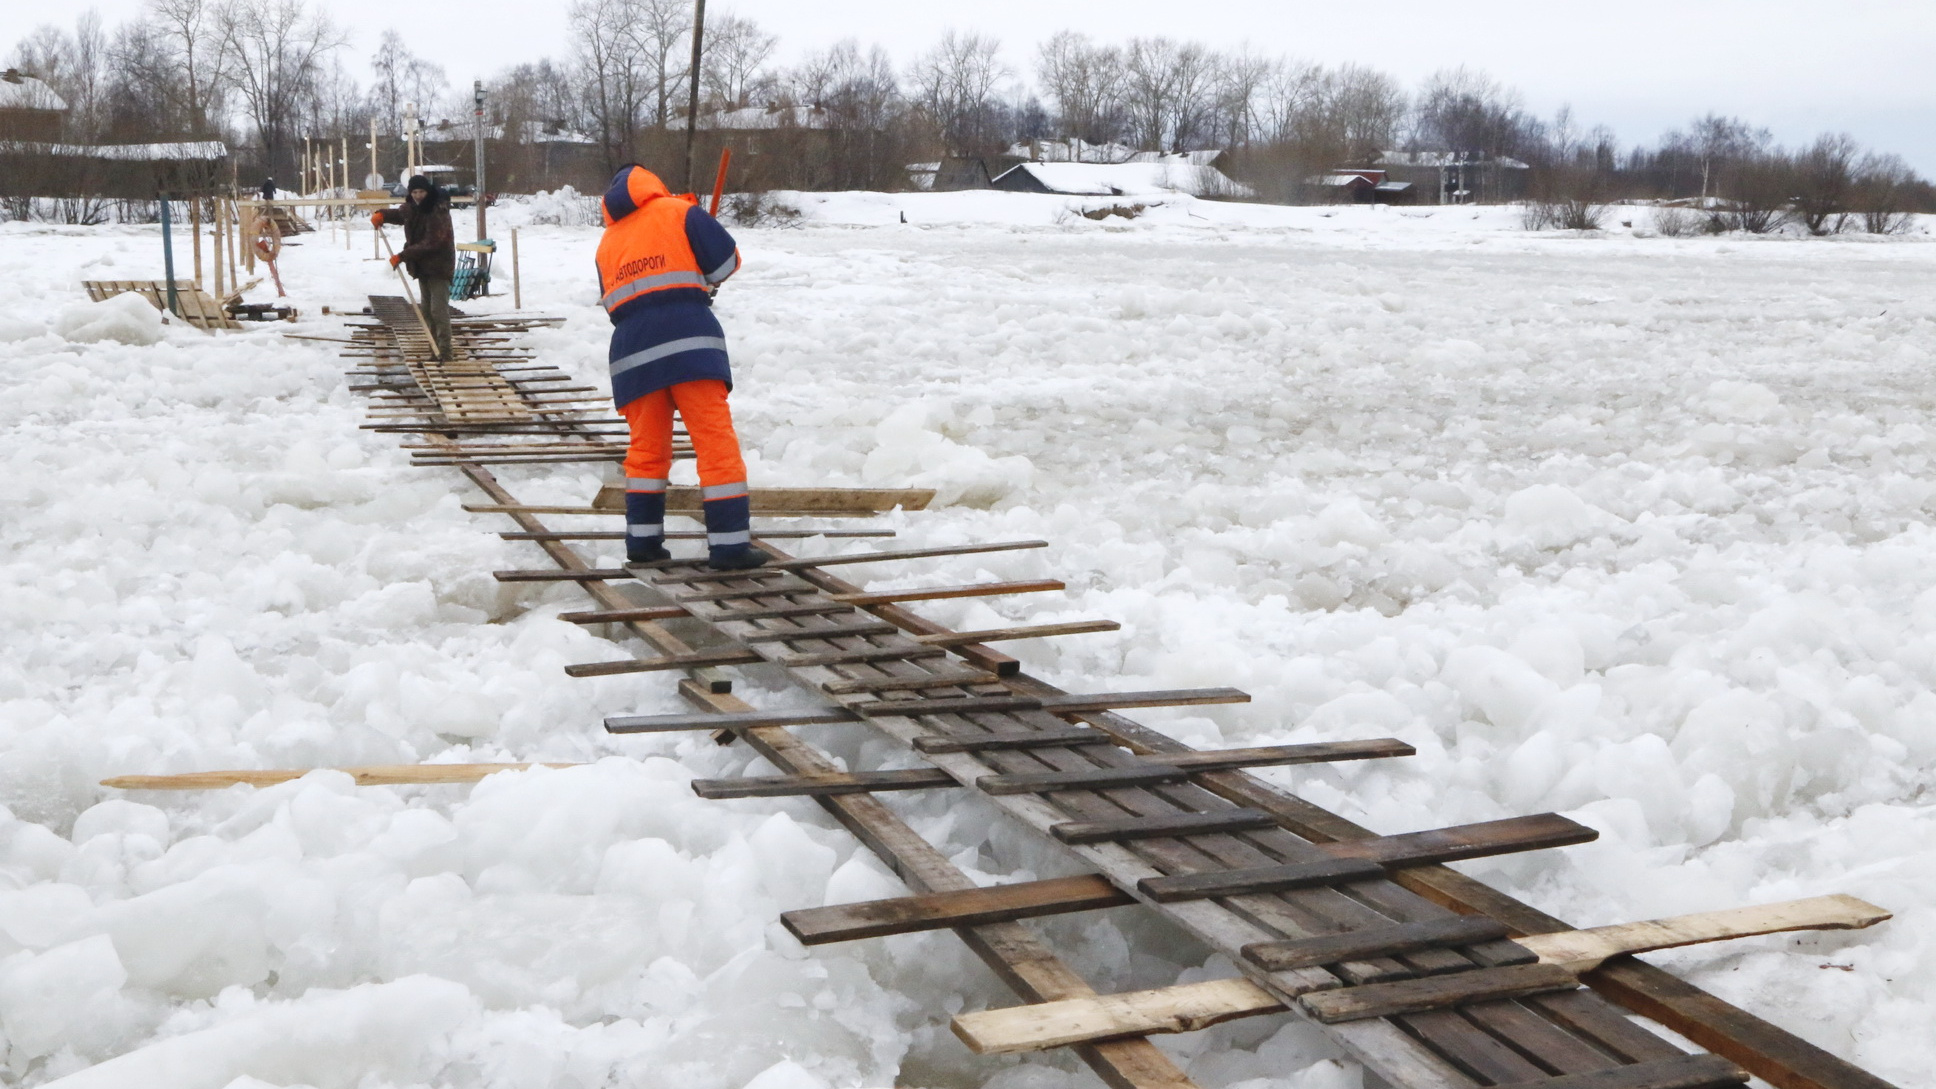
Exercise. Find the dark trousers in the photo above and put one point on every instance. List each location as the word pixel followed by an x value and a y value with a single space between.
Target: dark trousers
pixel 436 312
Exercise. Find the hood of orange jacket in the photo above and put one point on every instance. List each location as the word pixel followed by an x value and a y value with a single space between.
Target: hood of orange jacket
pixel 632 188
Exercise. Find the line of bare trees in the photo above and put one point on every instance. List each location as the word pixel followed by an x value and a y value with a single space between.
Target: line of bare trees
pixel 264 74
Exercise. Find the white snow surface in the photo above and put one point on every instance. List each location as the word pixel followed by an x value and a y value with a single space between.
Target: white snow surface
pixel 1631 528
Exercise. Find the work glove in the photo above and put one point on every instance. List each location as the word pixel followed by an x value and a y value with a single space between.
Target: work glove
pixel 376 219
pixel 396 259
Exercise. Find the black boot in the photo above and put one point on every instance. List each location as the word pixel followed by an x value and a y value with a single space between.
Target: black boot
pixel 646 550
pixel 742 558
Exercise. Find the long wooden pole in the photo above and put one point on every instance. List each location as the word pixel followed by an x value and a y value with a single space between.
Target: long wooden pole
pixel 517 283
pixel 692 97
pixel 409 296
pixel 195 231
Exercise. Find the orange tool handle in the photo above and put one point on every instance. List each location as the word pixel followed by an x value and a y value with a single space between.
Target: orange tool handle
pixel 719 180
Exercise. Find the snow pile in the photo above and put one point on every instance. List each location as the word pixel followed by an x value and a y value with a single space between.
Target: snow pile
pixel 1645 541
pixel 126 318
pixel 565 207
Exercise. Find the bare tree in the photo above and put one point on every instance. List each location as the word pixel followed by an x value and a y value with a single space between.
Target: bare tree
pixel 660 30
pixel 75 67
pixel 611 74
pixel 735 54
pixel 1167 92
pixel 402 78
pixel 955 84
pixel 1824 183
pixel 1462 110
pixel 279 48
pixel 188 41
pixel 1084 82
pixel 1883 193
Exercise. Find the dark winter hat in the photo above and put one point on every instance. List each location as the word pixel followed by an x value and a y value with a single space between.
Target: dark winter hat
pixel 418 181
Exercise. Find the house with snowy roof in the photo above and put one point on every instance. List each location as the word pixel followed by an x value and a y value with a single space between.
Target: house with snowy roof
pixel 29 109
pixel 1451 177
pixel 1165 176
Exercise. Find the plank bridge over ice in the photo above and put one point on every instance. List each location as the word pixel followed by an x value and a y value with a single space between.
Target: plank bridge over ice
pixel 1409 965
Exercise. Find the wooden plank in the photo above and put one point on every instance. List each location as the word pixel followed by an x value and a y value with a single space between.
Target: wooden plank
pixel 1439 845
pixel 811 608
pixel 530 508
pixel 670 661
pixel 588 575
pixel 830 631
pixel 1107 1017
pixel 1180 765
pixel 1480 840
pixel 938 911
pixel 860 654
pixel 1026 631
pixel 1686 1072
pixel 1388 941
pixel 1583 950
pixel 1436 992
pixel 738 593
pixel 959 678
pixel 650 724
pixel 1061 705
pixel 688 535
pixel 806 501
pixel 1218 821
pixel 371 775
pixel 1016 739
pixel 939 593
pixel 1297 875
pixel 802 564
pixel 613 616
pixel 793 786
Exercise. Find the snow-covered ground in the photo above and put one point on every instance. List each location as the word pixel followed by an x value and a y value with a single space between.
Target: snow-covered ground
pixel 1627 527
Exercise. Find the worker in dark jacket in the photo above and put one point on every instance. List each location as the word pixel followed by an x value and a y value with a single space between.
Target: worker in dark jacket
pixel 429 252
pixel 659 261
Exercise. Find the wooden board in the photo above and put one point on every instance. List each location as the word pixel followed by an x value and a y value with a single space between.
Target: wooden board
pixel 859 654
pixel 650 724
pixel 1181 765
pixel 611 497
pixel 588 575
pixel 937 911
pixel 794 786
pixel 956 678
pixel 1034 739
pixel 372 775
pixel 1387 941
pixel 1297 875
pixel 801 564
pixel 1024 631
pixel 1072 704
pixel 670 661
pixel 1583 950
pixel 828 631
pixel 1687 1072
pixel 1220 821
pixel 1436 992
pixel 940 593
pixel 1185 1008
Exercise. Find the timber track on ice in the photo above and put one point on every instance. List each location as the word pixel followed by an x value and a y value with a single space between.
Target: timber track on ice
pixel 1409 965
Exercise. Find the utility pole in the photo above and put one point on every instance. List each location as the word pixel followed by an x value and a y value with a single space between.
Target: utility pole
pixel 692 99
pixel 477 96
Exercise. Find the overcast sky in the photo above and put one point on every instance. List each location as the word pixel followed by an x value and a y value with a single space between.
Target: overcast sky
pixel 1861 66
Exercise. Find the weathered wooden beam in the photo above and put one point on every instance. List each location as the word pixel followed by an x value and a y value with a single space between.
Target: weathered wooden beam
pixel 650 724
pixel 807 501
pixel 958 678
pixel 794 786
pixel 1584 950
pixel 1061 705
pixel 1429 993
pixel 670 661
pixel 1182 765
pixel 688 535
pixel 938 911
pixel 1374 942
pixel 1015 739
pixel 939 593
pixel 1219 821
pixel 1687 1072
pixel 1026 631
pixel 1183 1008
pixel 830 631
pixel 370 775
pixel 613 616
pixel 801 564
pixel 1439 845
pixel 859 654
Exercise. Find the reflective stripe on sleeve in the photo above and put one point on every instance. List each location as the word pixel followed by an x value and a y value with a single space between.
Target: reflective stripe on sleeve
pixel 630 289
pixel 641 484
pixel 726 268
pixel 723 491
pixel 671 347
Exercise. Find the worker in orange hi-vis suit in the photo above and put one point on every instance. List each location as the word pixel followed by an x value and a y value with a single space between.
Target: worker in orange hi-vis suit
pixel 659 262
